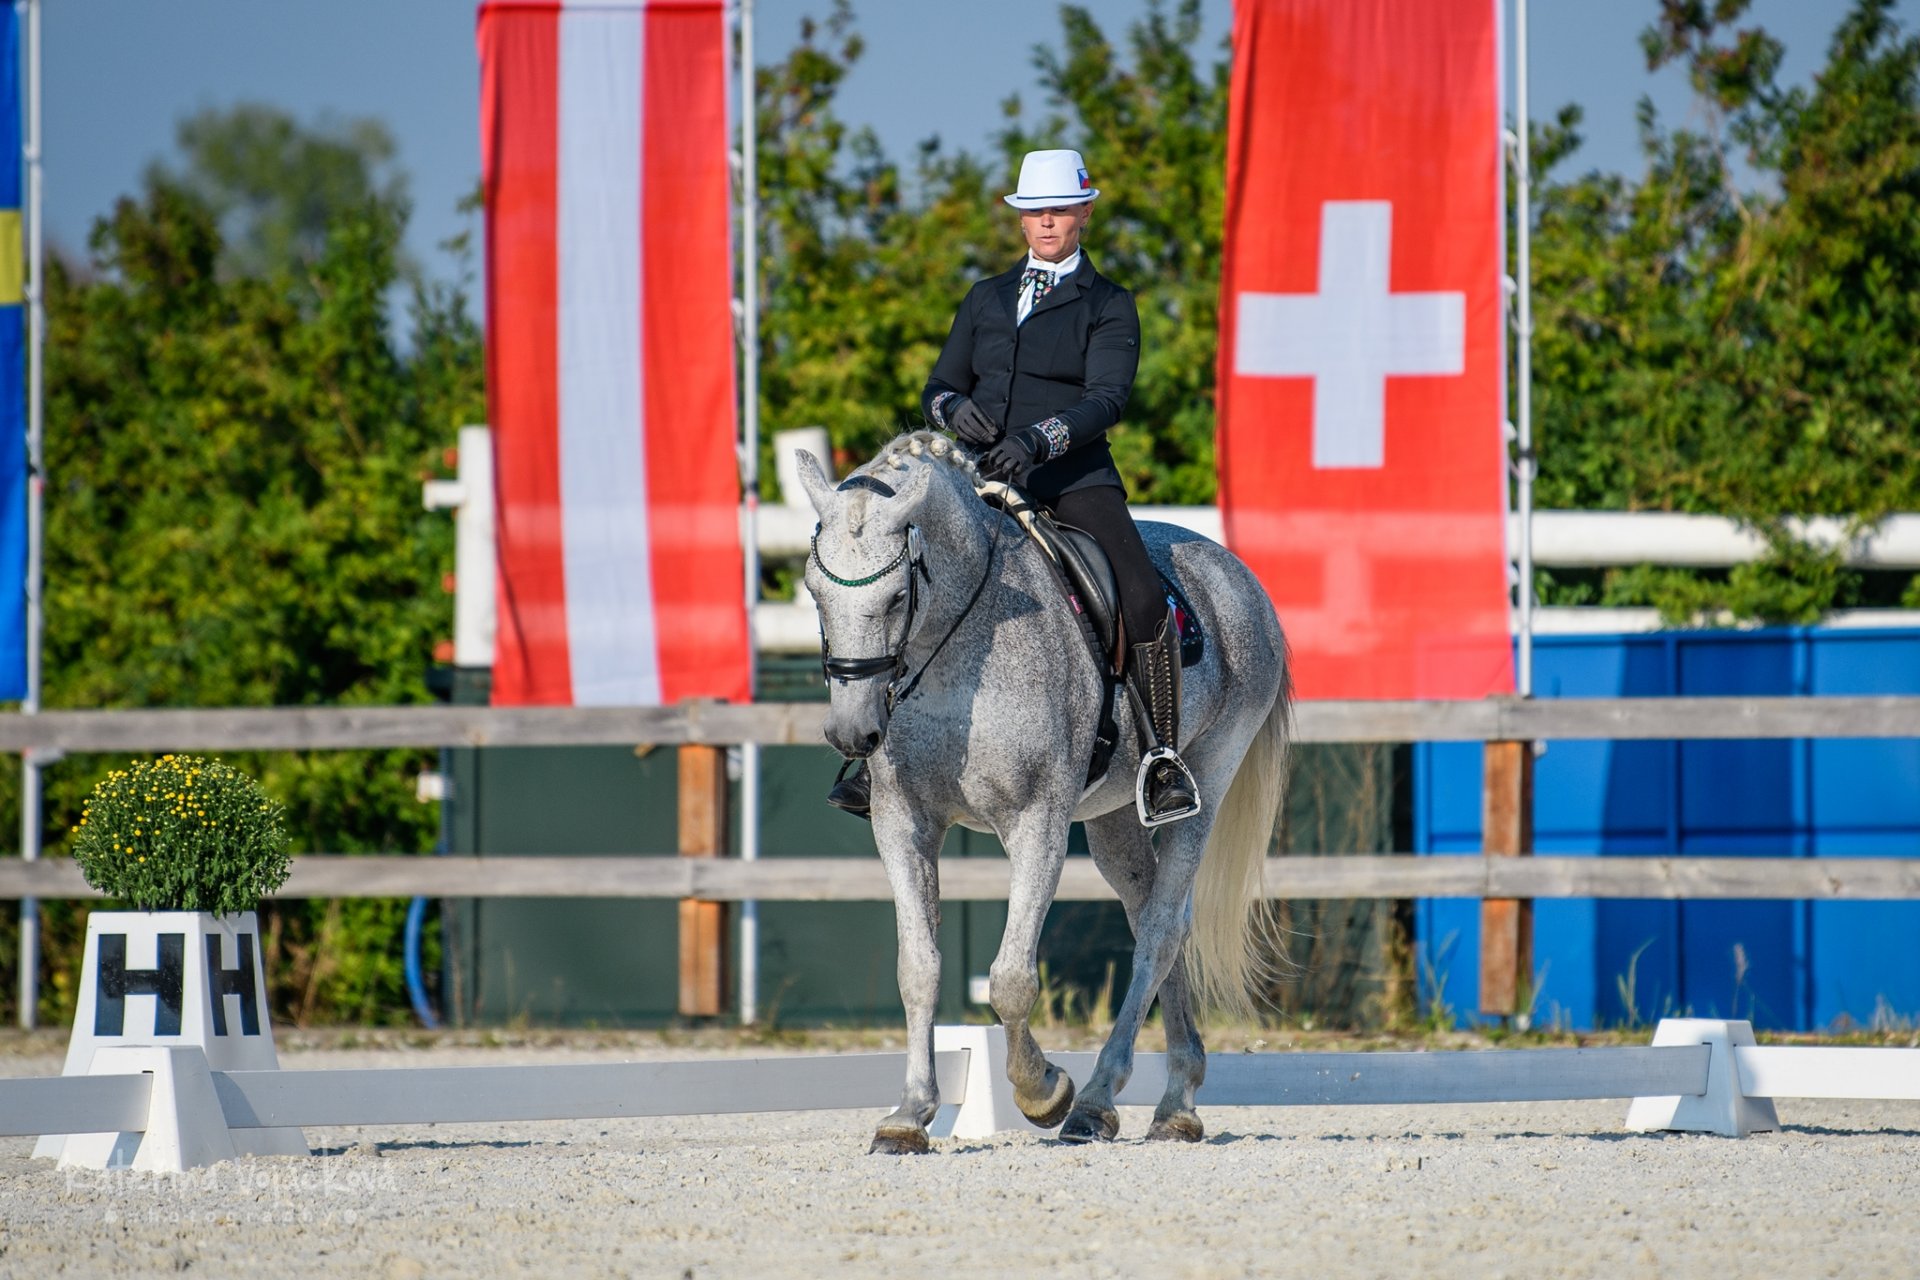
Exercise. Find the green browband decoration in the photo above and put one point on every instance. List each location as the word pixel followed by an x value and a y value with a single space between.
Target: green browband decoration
pixel 856 582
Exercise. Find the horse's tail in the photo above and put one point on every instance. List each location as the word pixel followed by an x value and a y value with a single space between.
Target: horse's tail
pixel 1234 946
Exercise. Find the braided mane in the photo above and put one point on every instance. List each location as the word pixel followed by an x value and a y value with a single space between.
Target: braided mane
pixel 899 453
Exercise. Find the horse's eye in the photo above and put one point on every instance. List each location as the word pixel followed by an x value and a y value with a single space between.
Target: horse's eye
pixel 899 600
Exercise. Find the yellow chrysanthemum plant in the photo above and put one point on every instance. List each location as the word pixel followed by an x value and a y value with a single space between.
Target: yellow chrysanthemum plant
pixel 182 834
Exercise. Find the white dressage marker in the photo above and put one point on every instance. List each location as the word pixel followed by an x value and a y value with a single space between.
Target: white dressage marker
pixel 1352 335
pixel 166 980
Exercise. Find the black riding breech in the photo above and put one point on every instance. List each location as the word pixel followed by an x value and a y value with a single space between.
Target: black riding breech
pixel 1102 512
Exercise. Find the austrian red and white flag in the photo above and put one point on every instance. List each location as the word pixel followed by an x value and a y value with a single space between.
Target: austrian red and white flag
pixel 1362 455
pixel 610 352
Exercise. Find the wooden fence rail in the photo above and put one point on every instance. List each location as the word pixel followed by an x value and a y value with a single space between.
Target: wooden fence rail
pixel 985 879
pixel 1504 884
pixel 790 723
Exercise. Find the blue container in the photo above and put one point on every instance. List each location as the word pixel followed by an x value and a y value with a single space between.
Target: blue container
pixel 1785 965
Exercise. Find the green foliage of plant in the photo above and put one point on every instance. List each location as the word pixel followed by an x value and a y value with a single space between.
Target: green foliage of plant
pixel 865 260
pixel 182 834
pixel 236 435
pixel 1749 352
pixel 1699 346
pixel 276 185
pixel 1152 125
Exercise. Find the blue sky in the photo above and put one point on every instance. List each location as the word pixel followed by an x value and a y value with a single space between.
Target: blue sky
pixel 120 73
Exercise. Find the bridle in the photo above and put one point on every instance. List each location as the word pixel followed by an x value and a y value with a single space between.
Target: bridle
pixel 893 665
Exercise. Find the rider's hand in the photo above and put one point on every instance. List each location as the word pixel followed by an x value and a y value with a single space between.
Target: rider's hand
pixel 971 423
pixel 1014 458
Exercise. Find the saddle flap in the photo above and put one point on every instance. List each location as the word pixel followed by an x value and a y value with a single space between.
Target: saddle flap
pixel 1092 575
pixel 1088 577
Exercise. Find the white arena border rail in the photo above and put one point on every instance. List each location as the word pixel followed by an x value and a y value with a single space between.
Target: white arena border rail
pixel 173 1113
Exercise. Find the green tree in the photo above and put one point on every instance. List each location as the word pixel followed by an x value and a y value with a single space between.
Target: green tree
pixel 1700 346
pixel 863 264
pixel 1153 128
pixel 860 282
pixel 234 519
pixel 277 186
pixel 1706 348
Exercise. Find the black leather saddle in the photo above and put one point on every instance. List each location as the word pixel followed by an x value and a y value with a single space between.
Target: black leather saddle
pixel 1086 577
pixel 1092 591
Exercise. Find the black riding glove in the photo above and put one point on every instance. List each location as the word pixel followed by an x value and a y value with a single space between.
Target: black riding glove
pixel 1014 458
pixel 971 423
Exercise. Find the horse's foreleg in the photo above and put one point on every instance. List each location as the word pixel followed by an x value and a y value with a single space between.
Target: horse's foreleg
pixel 1123 851
pixel 911 860
pixel 1037 849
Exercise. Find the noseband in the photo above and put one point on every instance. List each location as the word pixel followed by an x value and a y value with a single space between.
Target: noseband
pixel 894 665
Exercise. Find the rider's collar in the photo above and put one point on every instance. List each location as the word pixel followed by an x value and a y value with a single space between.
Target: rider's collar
pixel 1061 270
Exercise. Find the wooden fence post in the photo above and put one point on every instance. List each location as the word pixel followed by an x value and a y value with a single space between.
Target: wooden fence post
pixel 703 925
pixel 1506 924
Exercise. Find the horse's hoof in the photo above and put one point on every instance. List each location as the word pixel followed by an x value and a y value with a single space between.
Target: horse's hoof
pixel 1055 1109
pixel 1088 1125
pixel 900 1142
pixel 1181 1126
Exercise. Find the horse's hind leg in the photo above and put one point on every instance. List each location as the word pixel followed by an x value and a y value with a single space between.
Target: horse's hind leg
pixel 1160 929
pixel 913 870
pixel 1037 847
pixel 1123 850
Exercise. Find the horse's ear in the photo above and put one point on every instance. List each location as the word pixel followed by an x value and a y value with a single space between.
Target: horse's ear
pixel 814 480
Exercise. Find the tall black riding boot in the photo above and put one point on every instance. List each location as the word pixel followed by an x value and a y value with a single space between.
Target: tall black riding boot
pixel 852 790
pixel 1164 789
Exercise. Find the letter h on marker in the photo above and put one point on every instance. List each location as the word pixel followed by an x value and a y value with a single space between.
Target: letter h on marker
pixel 237 981
pixel 165 982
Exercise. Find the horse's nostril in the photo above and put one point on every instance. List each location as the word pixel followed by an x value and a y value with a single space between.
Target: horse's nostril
pixel 872 742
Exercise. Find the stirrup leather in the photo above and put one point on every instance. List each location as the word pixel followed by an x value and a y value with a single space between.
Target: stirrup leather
pixel 1155 684
pixel 1144 778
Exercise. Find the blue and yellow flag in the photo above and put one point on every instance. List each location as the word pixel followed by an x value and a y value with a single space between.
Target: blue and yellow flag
pixel 13 375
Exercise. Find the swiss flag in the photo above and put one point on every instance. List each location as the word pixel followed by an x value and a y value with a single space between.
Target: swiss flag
pixel 1362 456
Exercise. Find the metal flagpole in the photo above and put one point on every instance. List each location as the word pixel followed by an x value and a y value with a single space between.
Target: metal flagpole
pixel 30 705
pixel 1523 173
pixel 750 490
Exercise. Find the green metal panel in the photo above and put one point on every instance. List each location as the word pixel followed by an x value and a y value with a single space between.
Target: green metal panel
pixel 611 962
pixel 834 962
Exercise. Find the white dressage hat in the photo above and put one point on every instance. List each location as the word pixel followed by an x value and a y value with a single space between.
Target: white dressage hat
pixel 1049 178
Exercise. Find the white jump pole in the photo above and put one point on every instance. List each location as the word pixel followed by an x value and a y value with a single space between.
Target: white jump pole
pixel 180 1111
pixel 750 492
pixel 36 338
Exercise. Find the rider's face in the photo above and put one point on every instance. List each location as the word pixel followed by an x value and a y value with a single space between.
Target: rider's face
pixel 1054 234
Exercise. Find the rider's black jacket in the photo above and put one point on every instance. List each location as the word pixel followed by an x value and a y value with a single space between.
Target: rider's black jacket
pixel 1068 370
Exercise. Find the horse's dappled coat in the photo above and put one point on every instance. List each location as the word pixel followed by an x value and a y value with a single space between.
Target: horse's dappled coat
pixel 997 737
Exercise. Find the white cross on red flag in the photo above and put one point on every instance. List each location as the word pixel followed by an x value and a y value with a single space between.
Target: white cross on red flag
pixel 1362 455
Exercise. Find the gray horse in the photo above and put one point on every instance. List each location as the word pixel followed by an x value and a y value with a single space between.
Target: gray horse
pixel 965 684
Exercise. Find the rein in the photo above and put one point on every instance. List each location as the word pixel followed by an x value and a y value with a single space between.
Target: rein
pixel 894 664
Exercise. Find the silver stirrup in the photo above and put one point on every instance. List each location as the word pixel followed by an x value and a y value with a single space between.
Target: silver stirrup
pixel 1147 762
